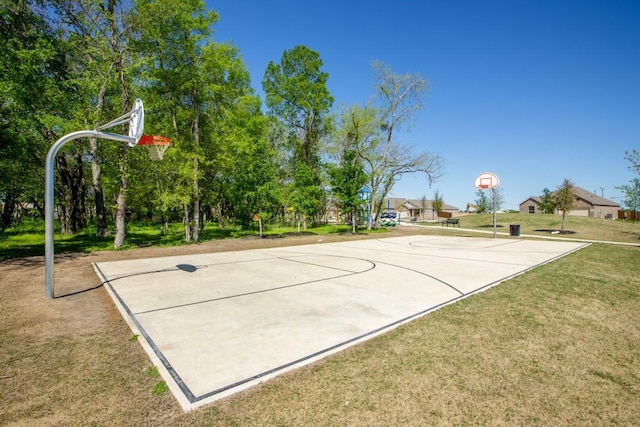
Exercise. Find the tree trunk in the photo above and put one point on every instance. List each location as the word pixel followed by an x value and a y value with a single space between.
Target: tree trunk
pixel 185 222
pixel 8 209
pixel 73 212
pixel 354 217
pixel 196 185
pixel 196 203
pixel 121 203
pixel 372 207
pixel 96 174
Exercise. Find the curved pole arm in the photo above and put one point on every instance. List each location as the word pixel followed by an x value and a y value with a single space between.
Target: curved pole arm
pixel 49 194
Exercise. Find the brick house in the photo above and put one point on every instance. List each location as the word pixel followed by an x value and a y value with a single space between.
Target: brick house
pixel 587 204
pixel 422 210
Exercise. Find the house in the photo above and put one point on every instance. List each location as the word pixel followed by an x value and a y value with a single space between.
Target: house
pixel 531 205
pixel 417 208
pixel 587 204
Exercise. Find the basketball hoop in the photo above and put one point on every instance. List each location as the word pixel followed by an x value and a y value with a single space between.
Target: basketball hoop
pixel 486 180
pixel 136 122
pixel 135 119
pixel 155 144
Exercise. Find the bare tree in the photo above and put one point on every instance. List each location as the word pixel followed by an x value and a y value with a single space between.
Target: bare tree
pixel 496 198
pixel 398 97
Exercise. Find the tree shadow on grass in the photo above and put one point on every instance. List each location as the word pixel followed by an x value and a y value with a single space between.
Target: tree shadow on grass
pixel 552 231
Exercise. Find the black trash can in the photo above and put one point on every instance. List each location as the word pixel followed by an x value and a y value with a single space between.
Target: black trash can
pixel 514 229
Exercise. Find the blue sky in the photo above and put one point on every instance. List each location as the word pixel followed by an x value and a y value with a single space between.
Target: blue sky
pixel 533 91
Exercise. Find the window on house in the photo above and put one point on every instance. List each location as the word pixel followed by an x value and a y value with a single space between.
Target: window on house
pixel 532 209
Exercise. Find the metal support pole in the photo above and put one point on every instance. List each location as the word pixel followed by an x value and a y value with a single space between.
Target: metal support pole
pixel 49 194
pixel 493 194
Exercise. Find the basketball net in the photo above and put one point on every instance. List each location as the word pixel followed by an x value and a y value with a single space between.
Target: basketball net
pixel 156 145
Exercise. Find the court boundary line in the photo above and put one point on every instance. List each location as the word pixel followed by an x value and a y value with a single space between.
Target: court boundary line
pixel 135 324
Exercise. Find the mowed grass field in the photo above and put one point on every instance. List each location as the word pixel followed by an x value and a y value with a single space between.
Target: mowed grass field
pixel 558 345
pixel 541 225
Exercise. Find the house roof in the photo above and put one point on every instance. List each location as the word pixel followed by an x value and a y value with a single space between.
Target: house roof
pixel 396 202
pixel 416 204
pixel 589 197
pixel 534 198
pixel 592 198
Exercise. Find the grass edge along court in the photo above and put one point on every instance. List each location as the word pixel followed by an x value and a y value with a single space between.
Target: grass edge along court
pixel 217 323
pixel 557 345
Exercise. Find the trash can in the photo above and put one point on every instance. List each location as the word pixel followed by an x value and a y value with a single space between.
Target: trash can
pixel 514 229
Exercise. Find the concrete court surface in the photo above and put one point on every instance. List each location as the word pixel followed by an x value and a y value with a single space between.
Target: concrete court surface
pixel 217 323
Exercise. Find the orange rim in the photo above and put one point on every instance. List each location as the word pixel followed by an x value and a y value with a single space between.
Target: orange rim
pixel 154 140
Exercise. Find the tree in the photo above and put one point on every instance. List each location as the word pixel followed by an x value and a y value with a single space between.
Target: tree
pixel 251 175
pixel 565 199
pixel 438 202
pixel 424 204
pixel 297 96
pixel 347 179
pixel 482 201
pixel 99 32
pixel 547 203
pixel 179 60
pixel 631 193
pixel 386 160
pixel 496 198
pixel 34 93
pixel 634 157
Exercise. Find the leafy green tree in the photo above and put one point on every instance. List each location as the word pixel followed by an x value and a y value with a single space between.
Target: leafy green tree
pixel 305 193
pixel 631 193
pixel 634 157
pixel 98 32
pixel 565 199
pixel 347 179
pixel 358 128
pixel 482 201
pixel 438 202
pixel 33 67
pixel 547 202
pixel 251 170
pixel 297 96
pixel 173 40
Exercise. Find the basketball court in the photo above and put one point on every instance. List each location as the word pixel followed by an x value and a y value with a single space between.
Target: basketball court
pixel 218 323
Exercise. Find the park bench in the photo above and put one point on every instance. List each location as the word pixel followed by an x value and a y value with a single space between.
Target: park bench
pixel 452 221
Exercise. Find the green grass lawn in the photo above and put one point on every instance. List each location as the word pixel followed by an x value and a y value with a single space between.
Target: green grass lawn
pixel 558 345
pixel 28 240
pixel 541 225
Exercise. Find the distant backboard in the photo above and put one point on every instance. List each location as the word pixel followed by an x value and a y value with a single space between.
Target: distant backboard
pixel 486 180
